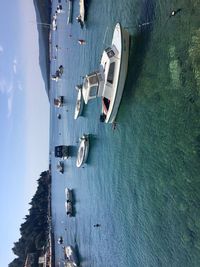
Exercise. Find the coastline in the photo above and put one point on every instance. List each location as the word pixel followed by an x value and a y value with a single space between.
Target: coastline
pixel 43 15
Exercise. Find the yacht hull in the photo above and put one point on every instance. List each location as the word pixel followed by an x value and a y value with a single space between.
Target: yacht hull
pixel 79 105
pixel 121 41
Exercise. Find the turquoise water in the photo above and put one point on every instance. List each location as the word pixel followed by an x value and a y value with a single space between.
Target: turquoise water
pixel 142 180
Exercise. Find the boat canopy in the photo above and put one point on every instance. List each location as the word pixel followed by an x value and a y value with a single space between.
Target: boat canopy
pixel 92 86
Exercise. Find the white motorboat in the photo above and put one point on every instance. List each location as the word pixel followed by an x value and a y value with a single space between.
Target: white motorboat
pixel 79 102
pixel 83 150
pixel 71 255
pixel 108 83
pixel 81 16
pixel 68 195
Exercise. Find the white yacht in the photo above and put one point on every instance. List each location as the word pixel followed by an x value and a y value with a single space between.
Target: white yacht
pixel 83 150
pixel 108 82
pixel 79 102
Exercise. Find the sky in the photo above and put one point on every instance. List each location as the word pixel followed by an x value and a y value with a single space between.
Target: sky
pixel 24 119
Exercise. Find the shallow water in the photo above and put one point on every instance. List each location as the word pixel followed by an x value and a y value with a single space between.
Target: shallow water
pixel 141 182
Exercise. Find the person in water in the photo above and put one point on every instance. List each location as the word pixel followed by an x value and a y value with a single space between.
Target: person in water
pixel 145 24
pixel 114 125
pixel 57 47
pixel 97 225
pixel 174 12
pixel 61 68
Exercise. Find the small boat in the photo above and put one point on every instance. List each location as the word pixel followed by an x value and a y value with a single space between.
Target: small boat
pixel 62 152
pixel 108 82
pixel 58 74
pixel 83 150
pixel 70 9
pixel 79 102
pixel 69 195
pixel 54 23
pixel 71 255
pixel 60 167
pixel 59 9
pixel 61 69
pixel 58 102
pixel 81 16
pixel 69 208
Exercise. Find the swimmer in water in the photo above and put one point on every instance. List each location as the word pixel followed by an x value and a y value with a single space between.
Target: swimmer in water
pixel 174 12
pixel 97 225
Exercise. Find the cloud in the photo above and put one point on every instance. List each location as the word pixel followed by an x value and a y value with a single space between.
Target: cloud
pixel 15 66
pixel 10 95
pixel 10 105
pixel 19 86
pixel 7 89
pixel 10 84
pixel 10 88
pixel 3 85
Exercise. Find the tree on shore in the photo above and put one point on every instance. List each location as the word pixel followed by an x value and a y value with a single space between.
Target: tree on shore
pixel 34 231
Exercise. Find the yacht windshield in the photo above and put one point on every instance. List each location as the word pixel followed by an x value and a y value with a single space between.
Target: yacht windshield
pixel 85 84
pixel 110 52
pixel 93 91
pixel 111 73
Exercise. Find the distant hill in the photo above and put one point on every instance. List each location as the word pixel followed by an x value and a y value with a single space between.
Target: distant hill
pixel 43 15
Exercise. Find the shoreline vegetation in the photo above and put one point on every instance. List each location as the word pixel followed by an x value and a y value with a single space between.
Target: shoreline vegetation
pixel 36 242
pixel 43 16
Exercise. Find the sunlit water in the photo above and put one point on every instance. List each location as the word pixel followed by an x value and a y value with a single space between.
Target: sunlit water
pixel 142 181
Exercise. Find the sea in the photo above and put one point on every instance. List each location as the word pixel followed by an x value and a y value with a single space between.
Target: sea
pixel 141 182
